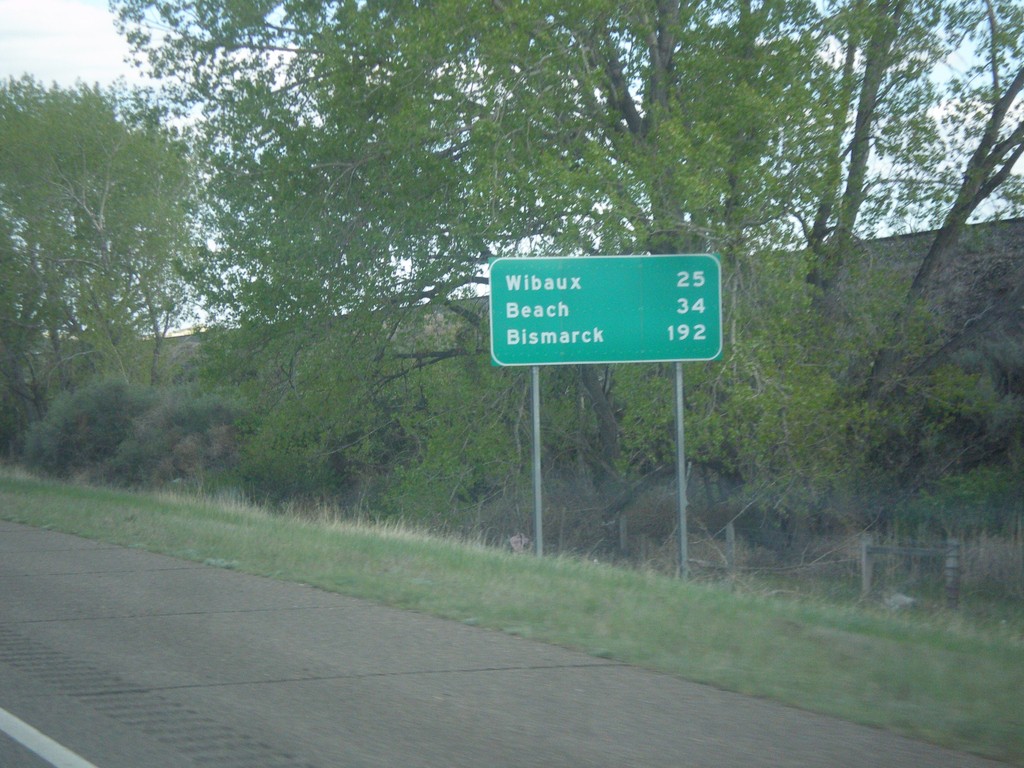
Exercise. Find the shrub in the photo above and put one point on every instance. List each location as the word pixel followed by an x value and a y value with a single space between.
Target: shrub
pixel 184 435
pixel 84 429
pixel 135 435
pixel 984 500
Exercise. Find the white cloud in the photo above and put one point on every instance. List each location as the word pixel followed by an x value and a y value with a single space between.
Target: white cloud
pixel 62 41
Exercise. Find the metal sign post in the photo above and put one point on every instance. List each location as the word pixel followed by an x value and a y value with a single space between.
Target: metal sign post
pixel 681 475
pixel 538 514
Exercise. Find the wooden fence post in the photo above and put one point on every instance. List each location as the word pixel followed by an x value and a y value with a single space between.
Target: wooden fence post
pixel 952 574
pixel 866 565
pixel 730 550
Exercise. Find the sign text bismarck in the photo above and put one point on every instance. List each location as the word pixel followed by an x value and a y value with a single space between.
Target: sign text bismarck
pixel 605 309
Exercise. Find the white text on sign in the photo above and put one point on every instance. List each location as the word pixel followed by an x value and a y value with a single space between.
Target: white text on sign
pixel 528 282
pixel 513 310
pixel 518 337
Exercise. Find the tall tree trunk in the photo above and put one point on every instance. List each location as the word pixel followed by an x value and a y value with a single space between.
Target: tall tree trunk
pixel 598 389
pixel 835 220
pixel 988 168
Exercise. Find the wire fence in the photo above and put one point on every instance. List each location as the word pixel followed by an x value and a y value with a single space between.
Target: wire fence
pixel 865 565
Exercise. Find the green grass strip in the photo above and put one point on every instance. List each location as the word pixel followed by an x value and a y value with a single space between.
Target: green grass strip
pixel 934 679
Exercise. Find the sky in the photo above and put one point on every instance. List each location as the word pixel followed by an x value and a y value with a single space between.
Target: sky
pixel 62 41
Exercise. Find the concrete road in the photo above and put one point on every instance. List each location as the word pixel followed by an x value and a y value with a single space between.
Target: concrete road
pixel 135 660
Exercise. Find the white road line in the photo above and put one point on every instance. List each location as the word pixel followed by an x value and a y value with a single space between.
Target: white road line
pixel 55 754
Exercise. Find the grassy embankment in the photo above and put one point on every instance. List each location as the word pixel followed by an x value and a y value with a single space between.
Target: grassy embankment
pixel 933 678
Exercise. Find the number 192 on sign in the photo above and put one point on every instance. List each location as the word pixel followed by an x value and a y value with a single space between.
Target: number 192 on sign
pixel 682 332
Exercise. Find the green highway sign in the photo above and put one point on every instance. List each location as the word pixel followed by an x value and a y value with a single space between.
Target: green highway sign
pixel 605 309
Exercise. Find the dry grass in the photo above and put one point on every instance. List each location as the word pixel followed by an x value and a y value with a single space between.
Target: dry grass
pixel 932 677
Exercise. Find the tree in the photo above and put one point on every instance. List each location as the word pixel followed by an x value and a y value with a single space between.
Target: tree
pixel 377 155
pixel 987 113
pixel 370 157
pixel 95 215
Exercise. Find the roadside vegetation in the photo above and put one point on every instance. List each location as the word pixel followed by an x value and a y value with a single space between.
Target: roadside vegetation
pixel 935 676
